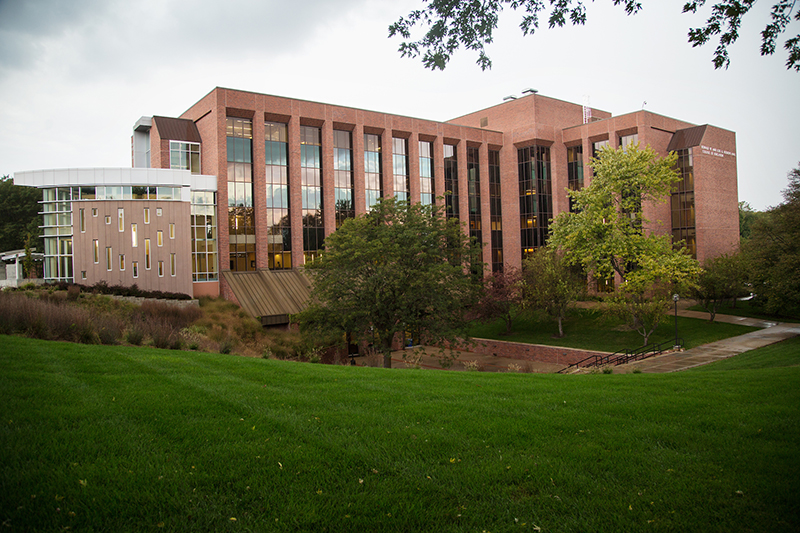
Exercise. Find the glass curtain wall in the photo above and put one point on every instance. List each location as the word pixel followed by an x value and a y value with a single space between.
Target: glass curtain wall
pixel 311 190
pixel 451 181
pixel 426 172
pixel 241 214
pixel 400 163
pixel 535 196
pixel 185 156
pixel 495 211
pixel 372 169
pixel 57 232
pixel 474 182
pixel 682 201
pixel 343 176
pixel 204 236
pixel 279 237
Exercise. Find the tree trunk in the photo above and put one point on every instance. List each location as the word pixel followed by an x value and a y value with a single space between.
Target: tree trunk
pixel 509 321
pixel 387 360
pixel 560 328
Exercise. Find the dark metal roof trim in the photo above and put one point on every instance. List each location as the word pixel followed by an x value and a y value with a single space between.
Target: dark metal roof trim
pixel 177 129
pixel 686 138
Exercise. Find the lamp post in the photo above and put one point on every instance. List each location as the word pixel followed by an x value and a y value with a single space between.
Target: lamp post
pixel 675 299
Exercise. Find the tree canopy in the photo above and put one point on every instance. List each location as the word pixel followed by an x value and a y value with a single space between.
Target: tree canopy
pixel 470 23
pixel 607 233
pixel 19 214
pixel 401 267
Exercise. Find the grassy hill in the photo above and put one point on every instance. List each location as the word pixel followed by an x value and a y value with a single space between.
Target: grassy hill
pixel 120 438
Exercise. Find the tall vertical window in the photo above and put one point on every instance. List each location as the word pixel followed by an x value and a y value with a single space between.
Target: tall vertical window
pixel 495 211
pixel 241 214
pixel 311 184
pixel 121 219
pixel 451 181
pixel 159 238
pixel 682 202
pixel 535 196
pixel 184 155
pixel 96 250
pixel 343 176
pixel 135 235
pixel 474 182
pixel 109 254
pixel 426 172
pixel 173 267
pixel 146 215
pixel 122 262
pixel 135 268
pixel 171 230
pixel 372 169
pixel 400 164
pixel 147 254
pixel 204 236
pixel 57 229
pixel 161 269
pixel 574 172
pixel 279 236
pixel 83 220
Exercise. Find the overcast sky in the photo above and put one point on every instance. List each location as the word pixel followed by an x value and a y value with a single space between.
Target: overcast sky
pixel 76 75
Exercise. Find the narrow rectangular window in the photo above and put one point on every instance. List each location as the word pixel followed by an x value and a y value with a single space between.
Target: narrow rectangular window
pixel 96 247
pixel 160 238
pixel 147 254
pixel 171 230
pixel 83 274
pixel 122 262
pixel 135 235
pixel 146 215
pixel 172 265
pixel 135 267
pixel 83 220
pixel 121 218
pixel 108 258
pixel 108 220
pixel 158 211
pixel 94 211
pixel 161 269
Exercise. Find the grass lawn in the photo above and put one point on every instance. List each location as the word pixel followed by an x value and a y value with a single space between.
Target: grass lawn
pixel 782 354
pixel 591 330
pixel 746 309
pixel 120 438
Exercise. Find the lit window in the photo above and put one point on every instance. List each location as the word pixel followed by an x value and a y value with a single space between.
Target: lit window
pixel 135 267
pixel 108 219
pixel 171 230
pixel 135 235
pixel 108 258
pixel 146 215
pixel 96 247
pixel 147 254
pixel 121 218
pixel 83 220
pixel 121 262
pixel 161 269
pixel 172 265
pixel 94 211
pixel 160 238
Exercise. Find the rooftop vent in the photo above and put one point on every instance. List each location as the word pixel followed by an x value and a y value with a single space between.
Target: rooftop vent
pixel 530 91
pixel 509 97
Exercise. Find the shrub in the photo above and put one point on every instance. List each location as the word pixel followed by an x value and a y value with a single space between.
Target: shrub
pixel 608 369
pixel 109 329
pixel 473 366
pixel 514 367
pixel 135 335
pixel 226 346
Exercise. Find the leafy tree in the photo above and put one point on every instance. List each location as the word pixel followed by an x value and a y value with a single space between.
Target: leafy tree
pixel 747 217
pixel 551 285
pixel 500 297
pixel 606 234
pixel 19 214
pixel 773 253
pixel 398 268
pixel 721 279
pixel 471 23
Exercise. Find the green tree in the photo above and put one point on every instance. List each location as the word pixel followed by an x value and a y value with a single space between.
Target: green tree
pixel 747 217
pixel 773 253
pixel 606 235
pixel 722 278
pixel 19 214
pixel 551 285
pixel 470 23
pixel 500 297
pixel 398 268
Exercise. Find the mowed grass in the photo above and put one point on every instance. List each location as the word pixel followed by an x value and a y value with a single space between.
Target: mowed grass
pixel 589 329
pixel 139 439
pixel 746 309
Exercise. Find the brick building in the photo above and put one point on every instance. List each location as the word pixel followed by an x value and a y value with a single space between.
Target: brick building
pixel 265 178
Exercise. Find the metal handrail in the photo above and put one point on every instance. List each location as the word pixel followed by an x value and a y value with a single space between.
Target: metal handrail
pixel 624 356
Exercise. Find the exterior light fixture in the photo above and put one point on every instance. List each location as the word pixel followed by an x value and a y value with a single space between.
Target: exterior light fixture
pixel 675 298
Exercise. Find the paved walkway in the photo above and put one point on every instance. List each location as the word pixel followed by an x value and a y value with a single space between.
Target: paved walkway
pixel 770 333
